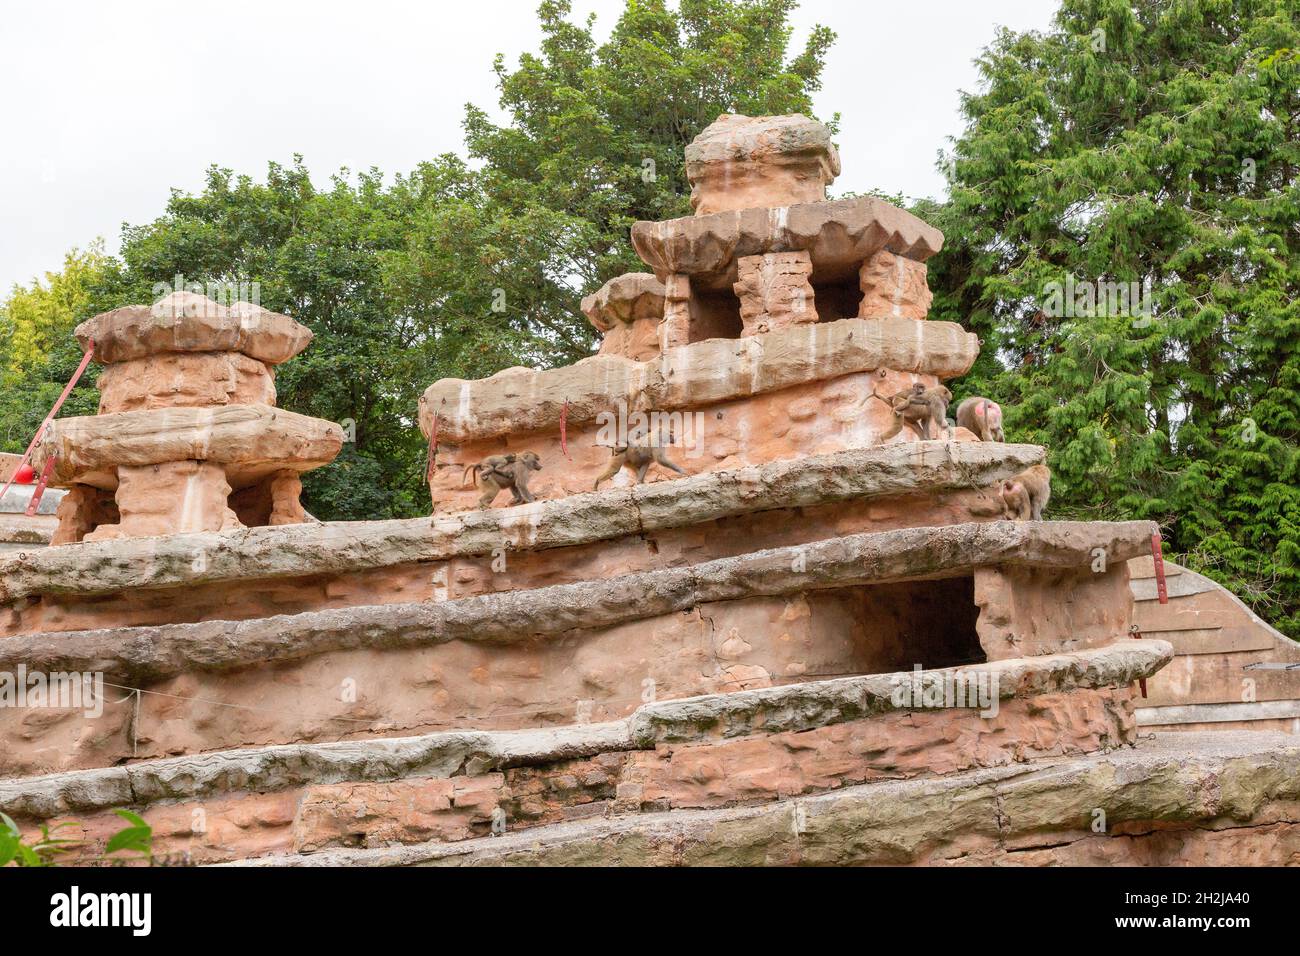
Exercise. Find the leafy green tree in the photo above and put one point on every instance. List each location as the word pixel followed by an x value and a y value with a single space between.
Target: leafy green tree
pixel 1153 143
pixel 460 272
pixel 38 354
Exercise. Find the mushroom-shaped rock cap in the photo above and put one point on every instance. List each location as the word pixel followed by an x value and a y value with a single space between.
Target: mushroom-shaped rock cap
pixel 625 298
pixel 756 162
pixel 188 322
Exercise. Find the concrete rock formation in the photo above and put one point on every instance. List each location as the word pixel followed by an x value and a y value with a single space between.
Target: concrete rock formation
pixel 760 162
pixel 809 646
pixel 187 437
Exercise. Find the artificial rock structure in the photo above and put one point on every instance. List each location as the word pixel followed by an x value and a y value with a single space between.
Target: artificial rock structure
pixel 188 437
pixel 809 648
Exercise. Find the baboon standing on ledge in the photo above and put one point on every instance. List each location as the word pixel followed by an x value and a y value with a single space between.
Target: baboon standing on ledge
pixel 636 459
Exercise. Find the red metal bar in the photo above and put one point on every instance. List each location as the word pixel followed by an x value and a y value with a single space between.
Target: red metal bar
pixel 1158 559
pixel 433 452
pixel 564 429
pixel 67 390
pixel 40 485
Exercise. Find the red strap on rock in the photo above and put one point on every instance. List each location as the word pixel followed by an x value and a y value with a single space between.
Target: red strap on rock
pixel 564 429
pixel 1158 560
pixel 67 390
pixel 431 461
pixel 40 485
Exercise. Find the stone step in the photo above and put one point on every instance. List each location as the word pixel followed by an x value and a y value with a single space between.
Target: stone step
pixel 1195 798
pixel 149 654
pixel 714 750
pixel 253 554
pixel 792 708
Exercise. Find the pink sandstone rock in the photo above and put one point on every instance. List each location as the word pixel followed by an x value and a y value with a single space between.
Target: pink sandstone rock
pixel 170 497
pixel 893 287
pixel 774 291
pixel 628 310
pixel 186 322
pixel 191 379
pixel 751 162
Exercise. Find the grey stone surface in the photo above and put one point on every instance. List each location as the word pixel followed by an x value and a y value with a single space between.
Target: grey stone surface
pixel 152 653
pixel 331 547
pixel 1194 781
pixel 769 710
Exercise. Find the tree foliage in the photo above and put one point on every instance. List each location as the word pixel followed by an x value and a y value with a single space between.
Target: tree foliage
pixel 1153 143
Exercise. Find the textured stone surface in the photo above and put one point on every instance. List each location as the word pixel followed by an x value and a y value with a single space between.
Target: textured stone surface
pixel 838 236
pixel 310 549
pixel 783 711
pixel 775 292
pixel 718 370
pixel 893 287
pixel 1205 799
pixel 190 379
pixel 625 299
pixel 1027 611
pixel 915 553
pixel 628 309
pixel 187 322
pixel 174 496
pixel 248 440
pixel 743 162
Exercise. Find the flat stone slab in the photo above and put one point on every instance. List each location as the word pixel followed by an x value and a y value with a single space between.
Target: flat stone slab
pixel 249 440
pixel 187 322
pixel 839 236
pixel 330 547
pixel 625 298
pixel 1188 797
pixel 153 653
pixel 520 400
pixel 770 710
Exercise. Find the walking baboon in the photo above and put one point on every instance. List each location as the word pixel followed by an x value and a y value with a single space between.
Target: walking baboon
pixel 637 459
pixel 498 472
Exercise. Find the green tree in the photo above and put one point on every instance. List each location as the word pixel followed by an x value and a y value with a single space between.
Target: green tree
pixel 1155 143
pixel 38 354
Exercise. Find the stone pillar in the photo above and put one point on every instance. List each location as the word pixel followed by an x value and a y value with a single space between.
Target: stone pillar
pixel 168 498
pixel 893 287
pixel 675 329
pixel 775 291
pixel 82 510
pixel 286 490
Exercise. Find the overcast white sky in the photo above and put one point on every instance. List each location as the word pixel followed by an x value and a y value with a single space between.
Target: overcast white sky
pixel 107 106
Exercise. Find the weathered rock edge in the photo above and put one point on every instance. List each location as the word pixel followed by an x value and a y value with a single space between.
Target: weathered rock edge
pixel 520 400
pixel 837 233
pixel 227 434
pixel 323 548
pixel 153 653
pixel 769 710
pixel 1183 781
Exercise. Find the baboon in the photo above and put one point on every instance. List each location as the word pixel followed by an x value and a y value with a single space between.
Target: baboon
pixel 636 458
pixel 1026 495
pixel 919 407
pixel 498 472
pixel 983 416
